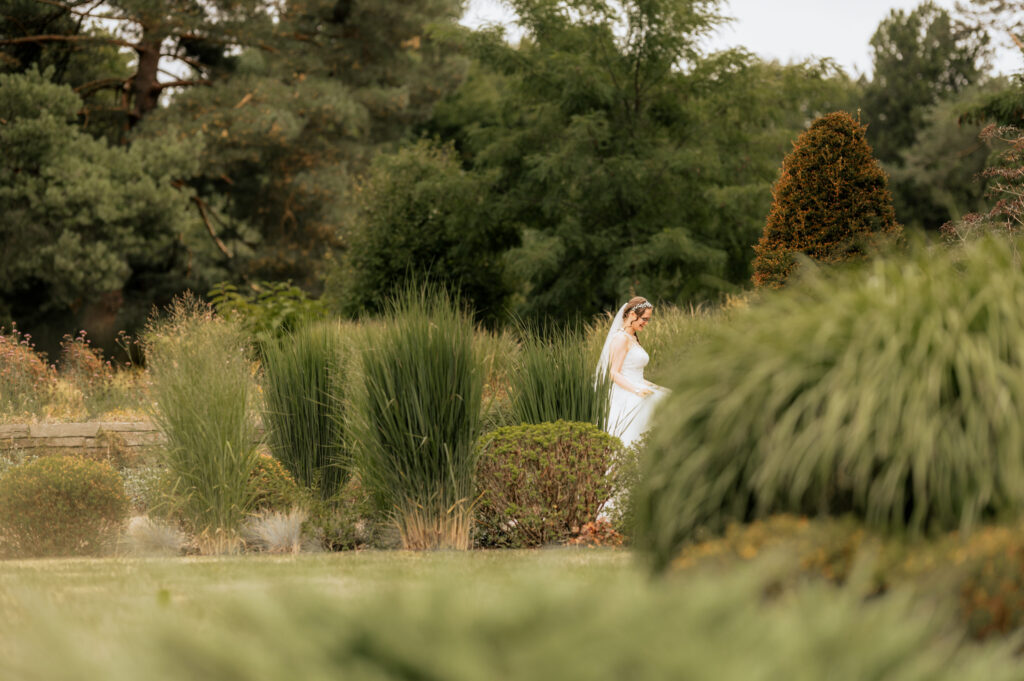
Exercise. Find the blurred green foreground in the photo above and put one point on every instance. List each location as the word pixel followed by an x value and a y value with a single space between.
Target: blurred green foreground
pixel 557 614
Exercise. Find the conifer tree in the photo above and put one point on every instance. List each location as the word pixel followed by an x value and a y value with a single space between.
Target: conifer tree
pixel 832 202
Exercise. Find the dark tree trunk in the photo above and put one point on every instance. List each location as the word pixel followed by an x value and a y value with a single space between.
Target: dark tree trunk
pixel 144 85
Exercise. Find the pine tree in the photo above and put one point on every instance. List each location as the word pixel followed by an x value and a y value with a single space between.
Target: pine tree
pixel 832 202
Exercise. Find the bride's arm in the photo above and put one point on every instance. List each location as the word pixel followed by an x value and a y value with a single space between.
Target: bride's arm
pixel 620 346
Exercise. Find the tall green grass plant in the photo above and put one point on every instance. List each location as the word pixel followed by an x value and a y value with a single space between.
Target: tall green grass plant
pixel 417 414
pixel 203 388
pixel 553 378
pixel 305 377
pixel 895 392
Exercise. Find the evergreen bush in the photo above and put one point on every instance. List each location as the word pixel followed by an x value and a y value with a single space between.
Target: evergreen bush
pixel 895 393
pixel 831 203
pixel 61 506
pixel 541 483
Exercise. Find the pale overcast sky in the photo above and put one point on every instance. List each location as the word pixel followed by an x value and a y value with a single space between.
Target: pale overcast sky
pixel 790 30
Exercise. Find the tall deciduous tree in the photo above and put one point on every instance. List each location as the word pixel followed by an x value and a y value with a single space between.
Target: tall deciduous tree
pixel 918 58
pixel 627 158
pixel 922 59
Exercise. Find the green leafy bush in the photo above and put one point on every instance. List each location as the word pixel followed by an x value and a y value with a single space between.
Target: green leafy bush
pixel 831 203
pixel 552 379
pixel 305 374
pixel 540 483
pixel 416 418
pixel 423 217
pixel 268 309
pixel 348 521
pixel 61 506
pixel 203 389
pixel 893 393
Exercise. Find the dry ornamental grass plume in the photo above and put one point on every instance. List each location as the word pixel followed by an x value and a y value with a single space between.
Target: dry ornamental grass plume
pixel 831 203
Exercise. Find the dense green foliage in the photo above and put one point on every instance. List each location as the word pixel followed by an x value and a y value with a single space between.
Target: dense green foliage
pixel 268 310
pixel 893 393
pixel 540 483
pixel 924 63
pixel 202 392
pixel 87 227
pixel 298 119
pixel 611 142
pixel 60 506
pixel 417 407
pixel 552 379
pixel 423 218
pixel 306 376
pixel 920 57
pixel 831 203
pixel 605 153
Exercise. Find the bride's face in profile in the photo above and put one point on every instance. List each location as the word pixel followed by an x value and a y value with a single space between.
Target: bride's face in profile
pixel 638 323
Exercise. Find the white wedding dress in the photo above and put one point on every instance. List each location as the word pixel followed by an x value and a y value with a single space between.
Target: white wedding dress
pixel 629 414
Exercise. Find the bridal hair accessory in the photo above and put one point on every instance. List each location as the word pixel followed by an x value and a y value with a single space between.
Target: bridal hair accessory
pixel 640 306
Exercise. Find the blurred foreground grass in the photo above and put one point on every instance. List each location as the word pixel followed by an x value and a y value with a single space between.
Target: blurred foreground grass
pixel 558 614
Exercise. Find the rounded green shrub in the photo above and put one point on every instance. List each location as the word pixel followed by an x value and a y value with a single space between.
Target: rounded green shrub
pixel 540 483
pixel 61 506
pixel 831 202
pixel 895 393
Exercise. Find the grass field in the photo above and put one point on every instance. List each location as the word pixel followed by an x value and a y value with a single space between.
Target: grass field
pixel 548 614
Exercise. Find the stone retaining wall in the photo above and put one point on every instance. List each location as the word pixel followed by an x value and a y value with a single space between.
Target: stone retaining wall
pixel 99 436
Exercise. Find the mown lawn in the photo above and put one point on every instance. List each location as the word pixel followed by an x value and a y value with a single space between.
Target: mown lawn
pixel 547 614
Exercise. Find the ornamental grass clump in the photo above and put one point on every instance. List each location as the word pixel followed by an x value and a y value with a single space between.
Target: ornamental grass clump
pixel 202 390
pixel 831 203
pixel 541 483
pixel 894 392
pixel 417 416
pixel 61 506
pixel 305 375
pixel 552 379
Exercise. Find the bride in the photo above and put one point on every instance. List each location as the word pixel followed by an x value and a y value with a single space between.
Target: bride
pixel 632 398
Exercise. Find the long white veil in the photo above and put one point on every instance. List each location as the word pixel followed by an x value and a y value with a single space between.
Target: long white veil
pixel 602 363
